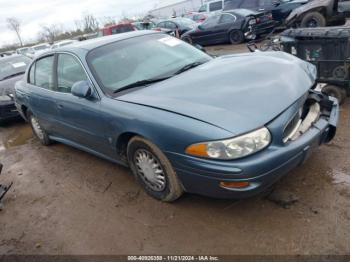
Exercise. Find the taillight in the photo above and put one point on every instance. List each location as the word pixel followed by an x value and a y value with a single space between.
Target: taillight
pixel 157 29
pixel 270 16
pixel 258 20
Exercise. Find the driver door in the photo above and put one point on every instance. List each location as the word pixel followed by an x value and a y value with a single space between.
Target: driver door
pixel 80 119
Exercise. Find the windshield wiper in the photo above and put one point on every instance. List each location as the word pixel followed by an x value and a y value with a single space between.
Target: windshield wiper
pixel 188 67
pixel 141 83
pixel 13 75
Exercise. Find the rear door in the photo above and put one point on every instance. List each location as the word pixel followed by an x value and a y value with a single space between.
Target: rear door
pixel 206 32
pixel 42 100
pixel 80 120
pixel 225 22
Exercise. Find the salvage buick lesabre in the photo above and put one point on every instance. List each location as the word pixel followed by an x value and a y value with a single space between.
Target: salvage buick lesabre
pixel 183 121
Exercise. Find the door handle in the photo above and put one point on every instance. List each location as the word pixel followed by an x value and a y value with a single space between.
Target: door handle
pixel 60 106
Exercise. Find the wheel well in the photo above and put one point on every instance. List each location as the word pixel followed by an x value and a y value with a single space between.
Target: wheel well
pixel 24 110
pixel 122 144
pixel 321 10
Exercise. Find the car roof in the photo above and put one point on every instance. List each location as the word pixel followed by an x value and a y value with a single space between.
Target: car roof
pixel 96 42
pixel 43 44
pixel 241 11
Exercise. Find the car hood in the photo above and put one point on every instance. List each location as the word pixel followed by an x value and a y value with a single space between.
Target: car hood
pixel 7 86
pixel 238 93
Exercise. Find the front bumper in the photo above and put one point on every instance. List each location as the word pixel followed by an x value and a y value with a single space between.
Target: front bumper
pixel 8 111
pixel 261 170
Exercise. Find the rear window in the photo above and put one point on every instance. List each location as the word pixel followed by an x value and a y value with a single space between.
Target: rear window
pixel 44 73
pixel 122 29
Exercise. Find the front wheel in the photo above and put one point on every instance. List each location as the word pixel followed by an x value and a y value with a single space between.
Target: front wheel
pixel 38 131
pixel 236 37
pixel 153 170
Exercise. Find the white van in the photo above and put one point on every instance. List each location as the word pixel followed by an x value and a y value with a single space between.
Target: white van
pixel 212 6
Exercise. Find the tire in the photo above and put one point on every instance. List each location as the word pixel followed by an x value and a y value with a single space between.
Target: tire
pixel 38 131
pixel 335 91
pixel 313 19
pixel 236 37
pixel 188 39
pixel 142 157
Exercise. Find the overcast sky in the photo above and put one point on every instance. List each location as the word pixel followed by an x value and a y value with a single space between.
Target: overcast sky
pixel 34 13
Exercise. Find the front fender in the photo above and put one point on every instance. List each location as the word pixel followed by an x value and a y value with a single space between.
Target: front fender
pixel 169 131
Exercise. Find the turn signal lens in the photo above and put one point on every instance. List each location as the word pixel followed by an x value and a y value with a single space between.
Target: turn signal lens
pixel 234 184
pixel 197 150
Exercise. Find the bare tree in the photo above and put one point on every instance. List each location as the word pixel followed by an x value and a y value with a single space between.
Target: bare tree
pixel 50 33
pixel 90 23
pixel 107 21
pixel 15 25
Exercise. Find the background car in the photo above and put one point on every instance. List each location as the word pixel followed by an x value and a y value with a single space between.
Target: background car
pixel 181 24
pixel 280 9
pixel 116 29
pixel 197 17
pixel 27 51
pixel 12 69
pixel 320 13
pixel 144 25
pixel 230 27
pixel 180 119
pixel 63 43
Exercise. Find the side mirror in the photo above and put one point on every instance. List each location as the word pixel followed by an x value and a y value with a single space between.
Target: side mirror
pixel 82 89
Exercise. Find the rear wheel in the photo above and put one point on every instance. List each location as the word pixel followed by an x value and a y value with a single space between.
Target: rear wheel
pixel 335 91
pixel 236 37
pixel 153 170
pixel 38 131
pixel 313 19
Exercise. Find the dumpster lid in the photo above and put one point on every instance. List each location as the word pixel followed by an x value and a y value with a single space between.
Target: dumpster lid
pixel 319 32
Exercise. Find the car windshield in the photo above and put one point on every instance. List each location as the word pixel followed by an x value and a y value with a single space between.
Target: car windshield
pixel 12 66
pixel 136 59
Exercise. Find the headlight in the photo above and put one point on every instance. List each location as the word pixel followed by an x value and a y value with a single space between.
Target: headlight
pixel 233 148
pixel 252 21
pixel 5 98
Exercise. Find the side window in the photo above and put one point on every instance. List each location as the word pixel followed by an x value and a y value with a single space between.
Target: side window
pixel 44 73
pixel 161 25
pixel 227 18
pixel 170 25
pixel 231 4
pixel 266 4
pixel 69 71
pixel 215 6
pixel 250 4
pixel 211 21
pixel 203 8
pixel 31 79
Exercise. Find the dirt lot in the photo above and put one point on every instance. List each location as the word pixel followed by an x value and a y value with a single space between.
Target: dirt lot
pixel 65 201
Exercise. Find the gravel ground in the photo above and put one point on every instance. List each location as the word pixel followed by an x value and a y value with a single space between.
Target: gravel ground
pixel 65 201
